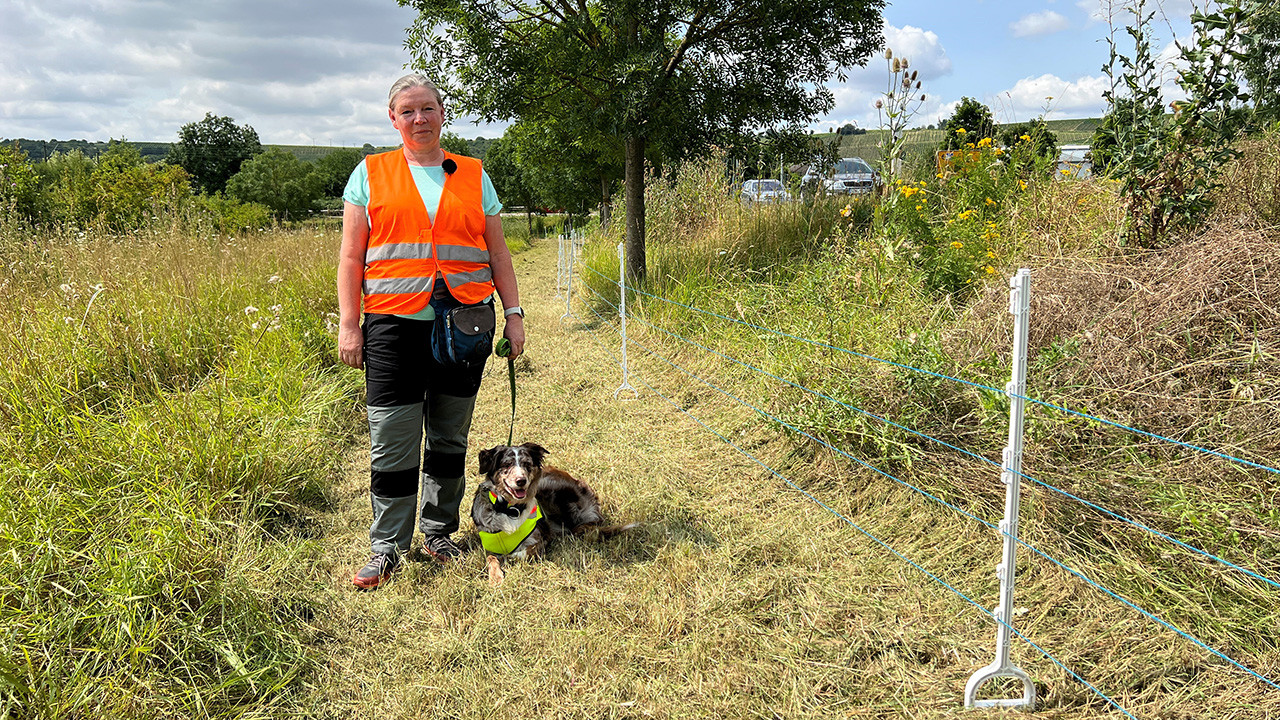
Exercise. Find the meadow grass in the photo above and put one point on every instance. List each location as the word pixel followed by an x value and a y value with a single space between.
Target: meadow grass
pixel 172 418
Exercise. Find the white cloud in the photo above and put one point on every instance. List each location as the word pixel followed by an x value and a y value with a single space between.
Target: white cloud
pixel 1053 97
pixel 1041 23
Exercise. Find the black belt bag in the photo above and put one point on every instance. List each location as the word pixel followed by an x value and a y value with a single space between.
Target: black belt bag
pixel 463 334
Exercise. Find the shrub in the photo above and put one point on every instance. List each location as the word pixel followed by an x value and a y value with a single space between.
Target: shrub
pixel 279 181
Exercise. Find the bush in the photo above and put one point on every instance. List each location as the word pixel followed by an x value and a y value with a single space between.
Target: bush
pixel 230 216
pixel 279 181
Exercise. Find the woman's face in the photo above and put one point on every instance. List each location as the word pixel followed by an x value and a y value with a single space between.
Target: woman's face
pixel 418 116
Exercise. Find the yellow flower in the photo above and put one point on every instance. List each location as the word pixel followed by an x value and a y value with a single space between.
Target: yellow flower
pixel 999 152
pixel 990 270
pixel 961 131
pixel 847 209
pixel 919 207
pixel 989 201
pixel 957 244
pixel 1022 184
pixel 1027 138
pixel 1065 171
pixel 991 255
pixel 984 142
pixel 939 176
pixel 965 215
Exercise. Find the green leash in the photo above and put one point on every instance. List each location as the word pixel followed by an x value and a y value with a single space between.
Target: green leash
pixel 503 349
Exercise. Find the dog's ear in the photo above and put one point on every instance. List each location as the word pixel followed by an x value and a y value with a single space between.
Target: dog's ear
pixel 486 459
pixel 536 451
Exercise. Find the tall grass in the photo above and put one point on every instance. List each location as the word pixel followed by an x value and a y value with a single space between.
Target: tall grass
pixel 172 416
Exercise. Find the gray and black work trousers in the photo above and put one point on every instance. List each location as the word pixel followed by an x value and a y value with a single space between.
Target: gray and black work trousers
pixel 408 391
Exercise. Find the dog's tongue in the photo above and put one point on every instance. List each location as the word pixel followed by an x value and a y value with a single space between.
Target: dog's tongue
pixel 519 493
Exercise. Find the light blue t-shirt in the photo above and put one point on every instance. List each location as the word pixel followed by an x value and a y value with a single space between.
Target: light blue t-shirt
pixel 430 184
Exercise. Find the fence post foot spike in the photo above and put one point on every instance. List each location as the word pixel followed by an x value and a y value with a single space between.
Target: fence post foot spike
pixel 998 670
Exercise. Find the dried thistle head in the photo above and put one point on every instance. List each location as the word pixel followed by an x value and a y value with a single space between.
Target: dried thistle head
pixel 897 65
pixel 879 104
pixel 888 54
pixel 905 63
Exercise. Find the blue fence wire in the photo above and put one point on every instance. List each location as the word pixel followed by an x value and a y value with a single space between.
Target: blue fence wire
pixel 1048 486
pixel 1055 561
pixel 871 536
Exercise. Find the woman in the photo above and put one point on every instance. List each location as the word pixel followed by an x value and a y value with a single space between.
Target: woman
pixel 420 234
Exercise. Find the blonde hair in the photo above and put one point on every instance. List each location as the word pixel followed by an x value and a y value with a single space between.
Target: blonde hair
pixel 412 80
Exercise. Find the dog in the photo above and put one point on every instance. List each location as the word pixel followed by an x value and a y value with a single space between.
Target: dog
pixel 520 504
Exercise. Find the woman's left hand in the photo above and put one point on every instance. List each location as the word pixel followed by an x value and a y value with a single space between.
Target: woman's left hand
pixel 514 333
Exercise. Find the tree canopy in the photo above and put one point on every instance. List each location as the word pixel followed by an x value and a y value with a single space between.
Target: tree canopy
pixel 658 78
pixel 971 117
pixel 212 150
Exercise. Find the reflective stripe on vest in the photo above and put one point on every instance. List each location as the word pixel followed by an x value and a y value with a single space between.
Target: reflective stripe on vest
pixel 406 250
pixel 505 543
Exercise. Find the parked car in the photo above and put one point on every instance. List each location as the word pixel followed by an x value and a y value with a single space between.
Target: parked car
pixel 764 191
pixel 850 176
pixel 1074 161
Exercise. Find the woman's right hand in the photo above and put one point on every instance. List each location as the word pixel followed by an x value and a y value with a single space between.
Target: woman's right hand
pixel 351 347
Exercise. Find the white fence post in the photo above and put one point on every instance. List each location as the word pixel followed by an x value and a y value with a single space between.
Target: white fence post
pixel 1016 389
pixel 568 283
pixel 560 269
pixel 622 316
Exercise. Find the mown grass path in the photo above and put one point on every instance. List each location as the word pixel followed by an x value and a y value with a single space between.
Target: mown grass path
pixel 738 597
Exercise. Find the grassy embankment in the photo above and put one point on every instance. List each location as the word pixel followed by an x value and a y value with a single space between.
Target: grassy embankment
pixel 183 507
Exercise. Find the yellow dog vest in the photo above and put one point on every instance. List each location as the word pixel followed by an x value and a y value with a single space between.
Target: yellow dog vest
pixel 504 543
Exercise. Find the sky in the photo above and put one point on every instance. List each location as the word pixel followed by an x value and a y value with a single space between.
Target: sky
pixel 317 72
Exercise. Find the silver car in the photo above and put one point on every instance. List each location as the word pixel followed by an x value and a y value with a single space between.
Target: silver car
pixel 764 191
pixel 852 176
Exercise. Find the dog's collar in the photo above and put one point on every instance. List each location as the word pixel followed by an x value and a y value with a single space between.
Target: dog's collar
pixel 501 505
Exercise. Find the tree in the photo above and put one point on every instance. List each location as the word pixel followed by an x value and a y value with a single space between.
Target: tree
pixel 508 179
pixel 455 144
pixel 971 117
pixel 659 79
pixel 1262 64
pixel 213 149
pixel 335 169
pixel 279 181
pixel 1042 139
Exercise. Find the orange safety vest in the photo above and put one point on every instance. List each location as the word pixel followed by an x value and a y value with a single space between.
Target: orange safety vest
pixel 405 251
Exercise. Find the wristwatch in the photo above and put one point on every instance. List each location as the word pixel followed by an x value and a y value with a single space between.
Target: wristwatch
pixel 513 310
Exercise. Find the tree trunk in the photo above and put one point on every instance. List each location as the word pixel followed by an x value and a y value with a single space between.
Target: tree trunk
pixel 606 202
pixel 634 173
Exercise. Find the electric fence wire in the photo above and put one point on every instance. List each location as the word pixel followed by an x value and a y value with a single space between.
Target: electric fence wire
pixel 1020 541
pixel 854 525
pixel 1048 486
pixel 1086 416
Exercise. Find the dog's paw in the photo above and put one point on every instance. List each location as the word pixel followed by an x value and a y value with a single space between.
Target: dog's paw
pixel 495 570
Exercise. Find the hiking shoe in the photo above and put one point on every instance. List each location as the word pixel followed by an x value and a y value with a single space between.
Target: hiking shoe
pixel 377 571
pixel 442 548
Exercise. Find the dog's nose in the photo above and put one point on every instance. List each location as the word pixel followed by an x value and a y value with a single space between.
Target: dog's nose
pixel 521 481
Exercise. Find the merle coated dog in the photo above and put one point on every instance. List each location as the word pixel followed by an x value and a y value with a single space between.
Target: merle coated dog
pixel 521 503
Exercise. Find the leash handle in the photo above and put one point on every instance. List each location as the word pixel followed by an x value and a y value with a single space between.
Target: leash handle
pixel 503 349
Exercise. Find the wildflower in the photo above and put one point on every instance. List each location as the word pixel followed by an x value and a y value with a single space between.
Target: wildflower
pixel 957 244
pixel 249 310
pixel 961 131
pixel 919 207
pixel 1026 138
pixel 990 270
pixel 274 279
pixel 1065 171
pixel 254 326
pixel 991 255
pixel 939 176
pixel 984 142
pixel 846 210
pixel 999 152
pixel 1022 184
pixel 989 201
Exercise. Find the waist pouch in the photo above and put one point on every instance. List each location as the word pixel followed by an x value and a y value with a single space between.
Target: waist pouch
pixel 463 334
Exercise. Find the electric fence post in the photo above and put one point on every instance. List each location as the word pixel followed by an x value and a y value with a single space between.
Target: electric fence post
pixel 1011 474
pixel 622 317
pixel 568 283
pixel 560 269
